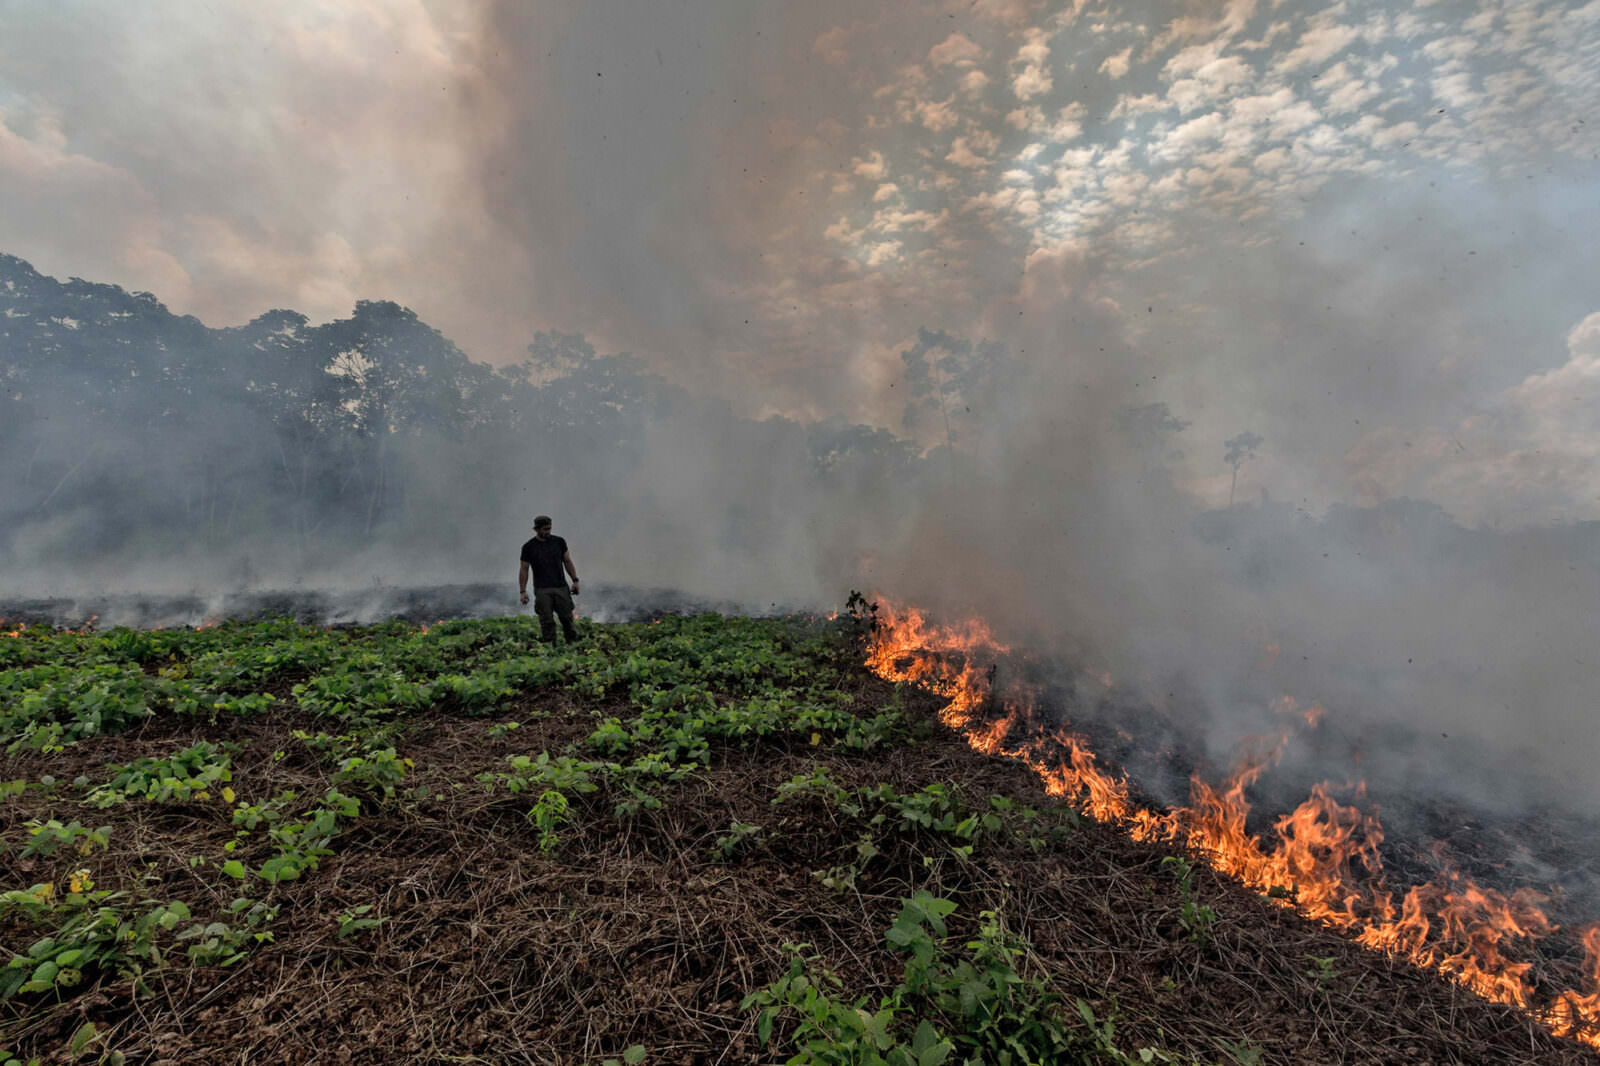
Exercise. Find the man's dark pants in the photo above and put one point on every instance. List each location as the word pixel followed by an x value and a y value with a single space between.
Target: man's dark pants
pixel 554 602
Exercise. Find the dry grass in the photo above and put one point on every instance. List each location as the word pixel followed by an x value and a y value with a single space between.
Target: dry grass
pixel 637 931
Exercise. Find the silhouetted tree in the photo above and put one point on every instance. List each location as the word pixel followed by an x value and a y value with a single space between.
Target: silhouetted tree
pixel 1239 450
pixel 129 429
pixel 1150 426
pixel 949 376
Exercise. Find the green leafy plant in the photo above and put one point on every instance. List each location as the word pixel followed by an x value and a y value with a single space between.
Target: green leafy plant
pixel 88 930
pixel 302 843
pixel 820 783
pixel 47 838
pixel 549 814
pixel 358 920
pixel 1197 919
pixel 226 941
pixel 1242 1052
pixel 970 1005
pixel 375 773
pixel 188 775
pixel 738 837
pixel 1321 969
pixel 250 816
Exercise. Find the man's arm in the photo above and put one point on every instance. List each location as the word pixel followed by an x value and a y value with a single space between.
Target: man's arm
pixel 522 580
pixel 566 561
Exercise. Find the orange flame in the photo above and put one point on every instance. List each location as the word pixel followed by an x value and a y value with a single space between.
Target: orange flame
pixel 1324 859
pixel 1575 1014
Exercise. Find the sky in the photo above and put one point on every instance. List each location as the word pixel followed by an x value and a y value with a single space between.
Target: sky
pixel 1362 231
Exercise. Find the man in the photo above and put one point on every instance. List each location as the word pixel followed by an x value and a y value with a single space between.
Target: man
pixel 545 555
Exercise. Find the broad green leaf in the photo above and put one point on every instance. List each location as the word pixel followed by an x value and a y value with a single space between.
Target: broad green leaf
pixel 81 1039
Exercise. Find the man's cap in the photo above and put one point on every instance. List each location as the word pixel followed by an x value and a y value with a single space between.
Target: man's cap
pixel 541 521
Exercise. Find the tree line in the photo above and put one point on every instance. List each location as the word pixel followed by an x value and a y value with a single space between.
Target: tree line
pixel 127 423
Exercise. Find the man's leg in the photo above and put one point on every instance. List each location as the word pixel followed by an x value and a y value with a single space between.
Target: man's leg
pixel 544 607
pixel 563 606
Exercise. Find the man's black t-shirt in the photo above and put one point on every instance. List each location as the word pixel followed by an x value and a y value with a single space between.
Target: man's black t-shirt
pixel 544 557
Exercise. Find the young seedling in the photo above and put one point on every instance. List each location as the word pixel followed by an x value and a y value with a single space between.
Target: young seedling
pixel 1196 918
pixel 1321 969
pixel 739 835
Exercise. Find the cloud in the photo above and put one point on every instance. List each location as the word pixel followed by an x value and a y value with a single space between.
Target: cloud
pixel 873 168
pixel 1345 90
pixel 1030 77
pixel 842 231
pixel 1209 83
pixel 892 219
pixel 1006 12
pixel 1455 89
pixel 1116 65
pixel 883 252
pixel 965 152
pixel 833 46
pixel 1130 106
pixel 936 115
pixel 1325 38
pixel 957 49
pixel 648 183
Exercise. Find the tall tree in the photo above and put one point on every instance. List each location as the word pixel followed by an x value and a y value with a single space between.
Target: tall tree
pixel 1240 450
pixel 950 379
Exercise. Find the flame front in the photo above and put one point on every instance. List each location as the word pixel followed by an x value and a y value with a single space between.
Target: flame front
pixel 1324 859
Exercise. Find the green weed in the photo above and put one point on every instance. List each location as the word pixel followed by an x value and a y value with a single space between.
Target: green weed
pixel 188 775
pixel 1197 919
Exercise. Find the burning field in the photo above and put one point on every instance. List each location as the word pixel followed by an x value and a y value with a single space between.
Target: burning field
pixel 1325 858
pixel 699 839
pixel 1209 388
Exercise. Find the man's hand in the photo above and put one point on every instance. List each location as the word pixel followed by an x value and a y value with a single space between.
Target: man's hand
pixel 574 586
pixel 524 595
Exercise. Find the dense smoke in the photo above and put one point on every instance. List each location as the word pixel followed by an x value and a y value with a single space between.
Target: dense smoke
pixel 1234 351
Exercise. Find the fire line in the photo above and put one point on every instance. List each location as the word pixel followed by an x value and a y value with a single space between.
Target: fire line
pixel 1324 862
